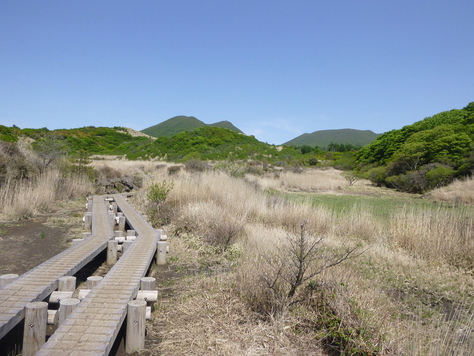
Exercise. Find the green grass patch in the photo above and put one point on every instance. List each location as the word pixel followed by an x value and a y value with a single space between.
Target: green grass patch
pixel 381 207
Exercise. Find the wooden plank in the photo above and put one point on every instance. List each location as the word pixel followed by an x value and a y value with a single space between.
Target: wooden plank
pixel 39 282
pixel 100 315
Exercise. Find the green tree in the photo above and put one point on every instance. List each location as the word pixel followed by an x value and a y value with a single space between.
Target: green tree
pixel 50 149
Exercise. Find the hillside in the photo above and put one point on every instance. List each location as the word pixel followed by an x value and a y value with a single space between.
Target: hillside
pixel 323 138
pixel 215 143
pixel 88 140
pixel 208 142
pixel 424 155
pixel 179 124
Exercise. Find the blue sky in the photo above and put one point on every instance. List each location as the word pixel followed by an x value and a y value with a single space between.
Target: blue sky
pixel 274 68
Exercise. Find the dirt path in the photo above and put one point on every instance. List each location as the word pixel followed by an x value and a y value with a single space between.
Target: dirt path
pixel 26 244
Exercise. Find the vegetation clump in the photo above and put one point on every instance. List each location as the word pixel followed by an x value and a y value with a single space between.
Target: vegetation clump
pixel 425 155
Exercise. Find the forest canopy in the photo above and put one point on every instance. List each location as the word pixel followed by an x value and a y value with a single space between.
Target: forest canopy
pixel 425 155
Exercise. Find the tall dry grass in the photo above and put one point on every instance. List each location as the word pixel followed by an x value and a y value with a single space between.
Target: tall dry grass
pixel 402 297
pixel 436 234
pixel 460 191
pixel 21 199
pixel 125 166
pixel 308 181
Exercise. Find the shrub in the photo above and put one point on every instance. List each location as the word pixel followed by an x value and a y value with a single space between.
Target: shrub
pixel 291 263
pixel 439 176
pixel 195 165
pixel 233 169
pixel 350 177
pixel 157 192
pixel 174 170
pixel 156 195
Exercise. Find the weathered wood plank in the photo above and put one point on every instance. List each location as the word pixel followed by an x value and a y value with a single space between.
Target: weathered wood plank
pixel 100 315
pixel 38 283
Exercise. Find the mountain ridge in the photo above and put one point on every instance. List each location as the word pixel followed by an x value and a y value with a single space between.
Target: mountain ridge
pixel 181 123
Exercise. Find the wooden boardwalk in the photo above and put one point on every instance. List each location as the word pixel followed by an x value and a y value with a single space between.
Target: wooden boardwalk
pixel 92 327
pixel 38 283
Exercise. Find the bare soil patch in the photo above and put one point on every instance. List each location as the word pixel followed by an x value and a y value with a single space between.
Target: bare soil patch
pixel 26 244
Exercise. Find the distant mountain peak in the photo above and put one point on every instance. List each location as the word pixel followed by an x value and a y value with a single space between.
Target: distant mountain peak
pixel 178 124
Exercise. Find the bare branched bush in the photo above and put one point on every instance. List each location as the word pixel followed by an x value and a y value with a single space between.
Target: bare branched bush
pixel 297 260
pixel 350 177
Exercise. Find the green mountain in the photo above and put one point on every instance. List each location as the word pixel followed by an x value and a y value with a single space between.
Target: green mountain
pixel 179 124
pixel 324 138
pixel 226 125
pixel 424 155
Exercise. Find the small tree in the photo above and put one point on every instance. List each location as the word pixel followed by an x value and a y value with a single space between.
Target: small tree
pixel 50 150
pixel 157 192
pixel 156 195
pixel 350 177
pixel 302 259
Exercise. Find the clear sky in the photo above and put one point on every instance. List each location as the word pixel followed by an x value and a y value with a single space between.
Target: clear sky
pixel 274 68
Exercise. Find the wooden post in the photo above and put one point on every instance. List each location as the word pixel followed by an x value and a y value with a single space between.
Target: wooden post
pixel 88 221
pixel 36 317
pixel 121 223
pixel 148 313
pixel 161 253
pixel 112 252
pixel 148 283
pixel 67 284
pixel 66 306
pixel 136 323
pixel 83 293
pixel 57 296
pixel 53 316
pixel 158 233
pixel 92 281
pixel 7 278
pixel 112 218
pixel 119 233
pixel 148 295
pixel 120 239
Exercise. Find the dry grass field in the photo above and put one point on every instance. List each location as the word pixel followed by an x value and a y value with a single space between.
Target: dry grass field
pixel 285 263
pixel 407 289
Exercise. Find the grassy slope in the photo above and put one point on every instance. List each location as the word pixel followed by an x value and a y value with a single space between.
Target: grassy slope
pixel 324 137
